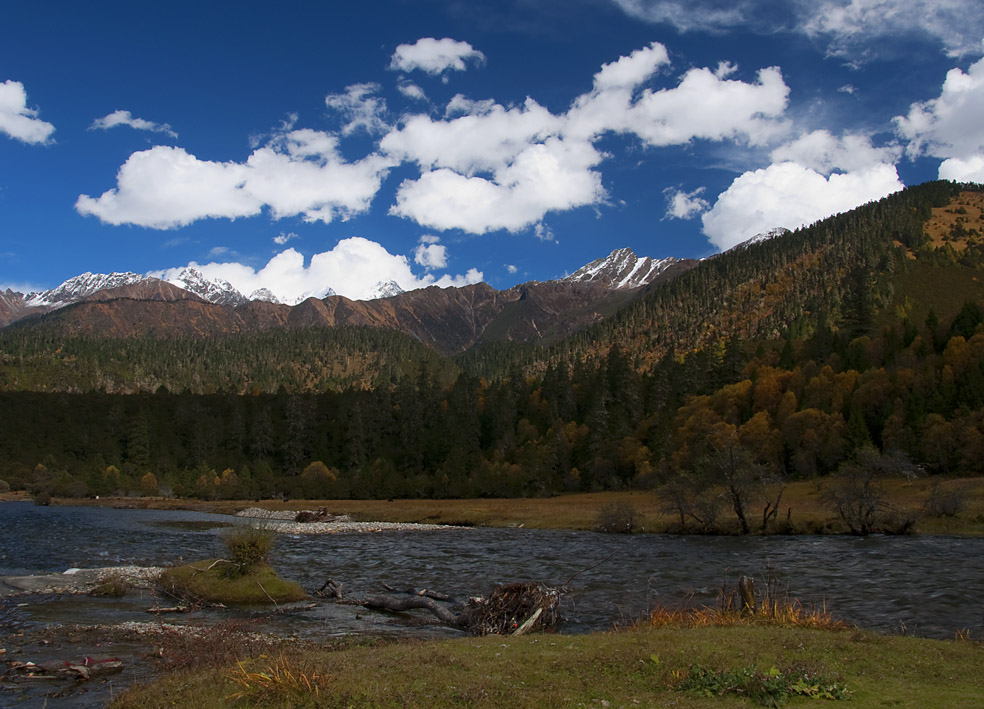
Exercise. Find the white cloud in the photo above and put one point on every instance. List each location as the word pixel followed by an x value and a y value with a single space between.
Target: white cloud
pixel 297 173
pixel 435 56
pixel 411 91
pixel 283 237
pixel 510 268
pixel 125 118
pixel 951 125
pixel 486 167
pixel 970 169
pixel 852 25
pixel 823 152
pixel 684 205
pixel 703 105
pixel 488 138
pixel 17 120
pixel 687 15
pixel 850 28
pixel 351 269
pixel 483 166
pixel 430 254
pixel 360 108
pixel 543 232
pixel 790 195
pixel 552 176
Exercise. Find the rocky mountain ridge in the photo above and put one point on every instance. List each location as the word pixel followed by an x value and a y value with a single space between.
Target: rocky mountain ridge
pixel 448 320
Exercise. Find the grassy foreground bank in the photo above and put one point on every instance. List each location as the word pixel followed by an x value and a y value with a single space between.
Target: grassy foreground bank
pixel 808 514
pixel 640 667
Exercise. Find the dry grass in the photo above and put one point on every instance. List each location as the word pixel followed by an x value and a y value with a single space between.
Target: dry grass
pixel 581 511
pixel 966 209
pixel 280 681
pixel 778 613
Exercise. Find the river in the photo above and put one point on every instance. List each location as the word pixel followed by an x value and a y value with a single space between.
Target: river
pixel 930 586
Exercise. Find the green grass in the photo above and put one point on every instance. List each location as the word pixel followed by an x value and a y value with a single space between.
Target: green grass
pixel 645 666
pixel 211 581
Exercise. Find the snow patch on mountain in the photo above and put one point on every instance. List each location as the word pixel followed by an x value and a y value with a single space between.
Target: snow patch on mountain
pixel 80 287
pixel 216 290
pixel 383 289
pixel 759 238
pixel 265 295
pixel 621 269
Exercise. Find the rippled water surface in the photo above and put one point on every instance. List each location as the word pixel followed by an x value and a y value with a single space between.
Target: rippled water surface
pixel 931 586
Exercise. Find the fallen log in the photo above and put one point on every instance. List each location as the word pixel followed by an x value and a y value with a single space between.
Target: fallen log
pixel 511 609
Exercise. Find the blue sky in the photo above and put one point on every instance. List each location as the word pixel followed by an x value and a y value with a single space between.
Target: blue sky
pixel 301 146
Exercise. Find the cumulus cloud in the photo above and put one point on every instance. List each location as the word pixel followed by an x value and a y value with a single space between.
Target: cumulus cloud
pixel 970 169
pixel 17 120
pixel 703 105
pixel 350 269
pixel 283 237
pixel 483 166
pixel 510 268
pixel 790 195
pixel 487 138
pixel 948 126
pixel 430 254
pixel 486 167
pixel 360 108
pixel 684 205
pixel 435 56
pixel 850 28
pixel 554 175
pixel 299 173
pixel 125 118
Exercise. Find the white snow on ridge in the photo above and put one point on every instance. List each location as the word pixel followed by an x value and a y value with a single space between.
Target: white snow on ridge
pixel 621 269
pixel 79 287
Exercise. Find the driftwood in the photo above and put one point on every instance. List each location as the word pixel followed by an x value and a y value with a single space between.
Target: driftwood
pixel 310 516
pixel 330 589
pixel 510 609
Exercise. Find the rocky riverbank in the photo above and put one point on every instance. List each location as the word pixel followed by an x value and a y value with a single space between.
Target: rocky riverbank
pixel 282 521
pixel 79 581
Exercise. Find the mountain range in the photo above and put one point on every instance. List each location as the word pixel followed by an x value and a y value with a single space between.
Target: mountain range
pixel 448 320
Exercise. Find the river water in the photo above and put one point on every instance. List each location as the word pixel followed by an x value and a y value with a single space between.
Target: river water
pixel 928 586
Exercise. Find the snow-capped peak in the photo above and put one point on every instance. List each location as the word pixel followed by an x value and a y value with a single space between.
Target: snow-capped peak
pixel 764 236
pixel 621 269
pixel 383 289
pixel 213 290
pixel 79 287
pixel 264 294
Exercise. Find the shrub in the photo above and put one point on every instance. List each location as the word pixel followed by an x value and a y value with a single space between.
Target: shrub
pixel 945 503
pixel 248 546
pixel 617 518
pixel 4 486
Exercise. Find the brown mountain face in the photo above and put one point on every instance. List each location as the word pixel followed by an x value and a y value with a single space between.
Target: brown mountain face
pixel 448 320
pixel 150 289
pixel 12 307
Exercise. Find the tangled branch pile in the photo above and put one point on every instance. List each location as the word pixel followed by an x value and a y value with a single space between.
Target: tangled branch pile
pixel 511 609
pixel 516 608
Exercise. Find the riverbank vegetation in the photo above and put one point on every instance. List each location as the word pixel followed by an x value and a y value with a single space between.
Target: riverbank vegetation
pixel 644 666
pixel 243 578
pixel 804 509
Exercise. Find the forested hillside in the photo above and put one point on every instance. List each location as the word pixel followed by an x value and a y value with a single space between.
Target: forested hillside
pixel 856 343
